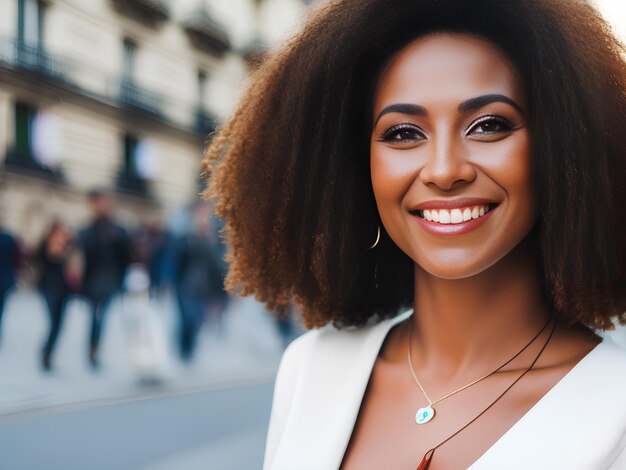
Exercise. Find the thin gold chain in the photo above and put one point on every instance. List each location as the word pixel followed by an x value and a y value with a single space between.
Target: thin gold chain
pixel 410 363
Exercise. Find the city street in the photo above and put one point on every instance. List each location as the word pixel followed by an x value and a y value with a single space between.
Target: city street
pixel 247 349
pixel 218 429
pixel 212 413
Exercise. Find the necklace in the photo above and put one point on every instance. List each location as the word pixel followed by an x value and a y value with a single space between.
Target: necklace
pixel 428 456
pixel 427 413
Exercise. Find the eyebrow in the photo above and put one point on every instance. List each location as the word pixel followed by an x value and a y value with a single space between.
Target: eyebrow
pixel 404 108
pixel 480 101
pixel 468 105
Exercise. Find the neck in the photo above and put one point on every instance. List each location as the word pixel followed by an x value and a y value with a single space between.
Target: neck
pixel 468 321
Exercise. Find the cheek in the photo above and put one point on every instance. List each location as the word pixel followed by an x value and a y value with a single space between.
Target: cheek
pixel 509 166
pixel 392 174
pixel 514 172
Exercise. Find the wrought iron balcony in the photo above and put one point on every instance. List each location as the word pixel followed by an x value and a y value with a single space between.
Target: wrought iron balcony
pixel 147 11
pixel 133 96
pixel 20 55
pixel 27 163
pixel 205 33
pixel 133 184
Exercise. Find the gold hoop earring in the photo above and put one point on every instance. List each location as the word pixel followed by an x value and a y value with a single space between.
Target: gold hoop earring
pixel 377 240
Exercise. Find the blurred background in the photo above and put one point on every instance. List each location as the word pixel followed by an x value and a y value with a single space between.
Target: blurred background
pixel 105 109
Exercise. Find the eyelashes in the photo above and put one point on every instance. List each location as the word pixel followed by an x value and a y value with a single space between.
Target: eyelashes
pixel 483 127
pixel 403 133
pixel 488 125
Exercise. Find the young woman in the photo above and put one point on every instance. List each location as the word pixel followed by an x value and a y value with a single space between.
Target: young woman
pixel 56 281
pixel 463 159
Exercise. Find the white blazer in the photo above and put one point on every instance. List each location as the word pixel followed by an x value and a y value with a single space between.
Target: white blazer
pixel 323 376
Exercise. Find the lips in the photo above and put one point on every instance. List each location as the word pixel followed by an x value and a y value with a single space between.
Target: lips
pixel 451 217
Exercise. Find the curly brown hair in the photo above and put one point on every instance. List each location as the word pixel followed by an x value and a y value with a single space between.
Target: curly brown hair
pixel 290 169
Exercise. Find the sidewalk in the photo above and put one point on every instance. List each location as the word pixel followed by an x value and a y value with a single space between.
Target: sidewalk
pixel 248 351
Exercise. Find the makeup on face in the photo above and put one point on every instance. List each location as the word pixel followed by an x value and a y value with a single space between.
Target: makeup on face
pixel 450 154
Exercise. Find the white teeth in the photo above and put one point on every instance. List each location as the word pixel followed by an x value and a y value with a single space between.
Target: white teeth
pixel 455 216
pixel 444 217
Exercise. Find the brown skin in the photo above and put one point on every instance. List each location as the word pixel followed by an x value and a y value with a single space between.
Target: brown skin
pixel 478 295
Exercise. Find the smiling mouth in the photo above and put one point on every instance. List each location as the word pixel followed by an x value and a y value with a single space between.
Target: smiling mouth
pixel 454 216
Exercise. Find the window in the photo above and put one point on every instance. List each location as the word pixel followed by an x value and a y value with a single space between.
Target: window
pixel 130 49
pixel 131 144
pixel 201 87
pixel 205 122
pixel 132 176
pixel 33 149
pixel 30 22
pixel 24 131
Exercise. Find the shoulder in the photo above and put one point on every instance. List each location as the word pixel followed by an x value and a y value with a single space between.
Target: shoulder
pixel 317 368
pixel 333 347
pixel 585 411
pixel 605 381
pixel 601 375
pixel 607 363
pixel 317 347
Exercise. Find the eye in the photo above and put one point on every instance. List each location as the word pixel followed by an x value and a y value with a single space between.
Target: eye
pixel 402 133
pixel 488 126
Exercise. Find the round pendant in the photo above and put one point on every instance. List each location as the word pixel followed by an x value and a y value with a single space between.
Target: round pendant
pixel 424 415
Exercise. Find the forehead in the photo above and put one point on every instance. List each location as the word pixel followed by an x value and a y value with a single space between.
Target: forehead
pixel 447 67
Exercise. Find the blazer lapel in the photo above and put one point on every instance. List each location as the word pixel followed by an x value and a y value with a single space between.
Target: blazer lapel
pixel 330 389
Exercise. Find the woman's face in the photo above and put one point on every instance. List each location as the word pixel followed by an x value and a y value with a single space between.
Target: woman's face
pixel 450 158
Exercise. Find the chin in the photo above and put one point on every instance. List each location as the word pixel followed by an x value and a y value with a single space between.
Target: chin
pixel 451 273
pixel 456 267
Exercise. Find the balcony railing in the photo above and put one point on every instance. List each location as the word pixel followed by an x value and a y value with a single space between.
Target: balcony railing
pixel 133 184
pixel 133 96
pixel 27 163
pixel 78 77
pixel 150 11
pixel 205 33
pixel 19 54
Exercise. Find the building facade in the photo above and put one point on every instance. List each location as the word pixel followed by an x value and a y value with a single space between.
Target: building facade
pixel 122 95
pixel 119 95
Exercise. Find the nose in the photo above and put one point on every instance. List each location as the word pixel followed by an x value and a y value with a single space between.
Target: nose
pixel 447 165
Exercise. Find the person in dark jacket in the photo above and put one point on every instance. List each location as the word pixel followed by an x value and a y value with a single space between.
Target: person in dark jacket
pixel 106 252
pixel 55 281
pixel 197 276
pixel 10 258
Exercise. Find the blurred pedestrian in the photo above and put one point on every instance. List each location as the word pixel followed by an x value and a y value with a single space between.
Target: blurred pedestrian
pixel 145 332
pixel 11 258
pixel 197 276
pixel 106 252
pixel 149 243
pixel 56 280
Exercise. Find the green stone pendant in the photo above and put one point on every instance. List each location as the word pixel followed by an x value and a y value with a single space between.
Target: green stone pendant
pixel 424 415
